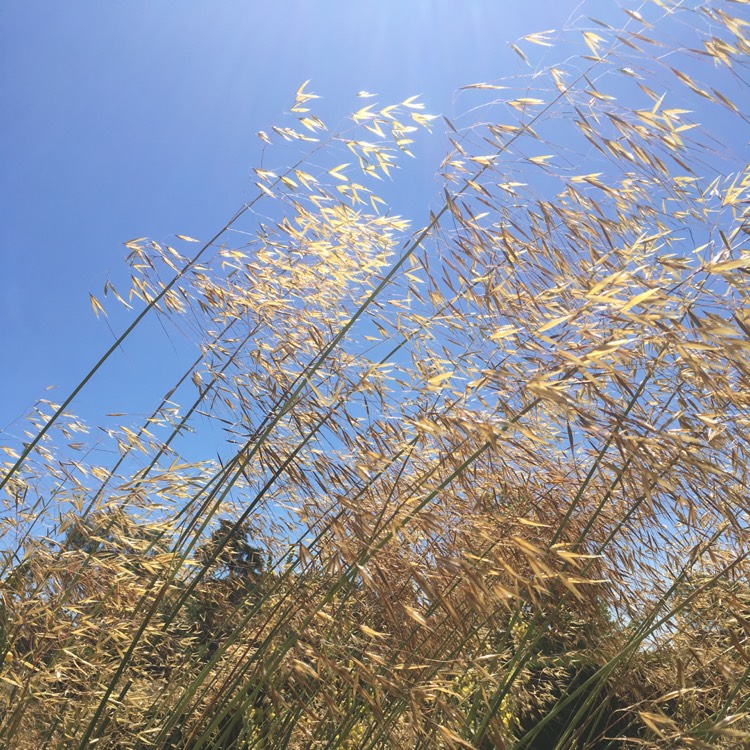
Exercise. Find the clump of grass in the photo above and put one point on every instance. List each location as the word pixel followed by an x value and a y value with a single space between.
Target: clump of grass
pixel 485 481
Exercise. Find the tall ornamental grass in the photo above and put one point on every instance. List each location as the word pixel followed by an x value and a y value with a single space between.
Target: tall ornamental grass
pixel 482 475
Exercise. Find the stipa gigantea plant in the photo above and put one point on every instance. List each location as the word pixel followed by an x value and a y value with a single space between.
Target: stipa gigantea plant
pixel 487 480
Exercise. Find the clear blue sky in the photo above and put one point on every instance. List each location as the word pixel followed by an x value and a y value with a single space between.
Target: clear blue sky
pixel 138 119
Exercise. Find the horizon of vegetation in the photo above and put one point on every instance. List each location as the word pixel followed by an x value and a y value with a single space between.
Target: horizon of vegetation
pixel 488 475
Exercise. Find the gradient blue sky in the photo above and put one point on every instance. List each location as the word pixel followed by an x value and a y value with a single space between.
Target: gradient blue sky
pixel 139 119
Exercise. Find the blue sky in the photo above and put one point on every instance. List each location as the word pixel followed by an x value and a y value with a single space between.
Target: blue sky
pixel 139 119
